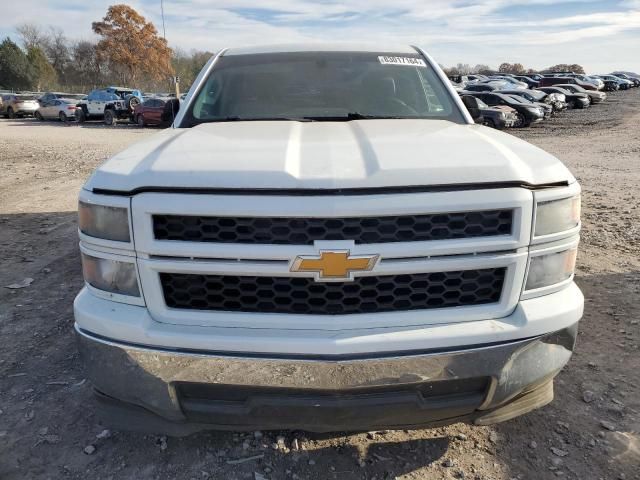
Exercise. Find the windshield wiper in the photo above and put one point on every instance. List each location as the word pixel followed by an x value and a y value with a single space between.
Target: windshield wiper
pixel 250 119
pixel 353 116
pixel 329 118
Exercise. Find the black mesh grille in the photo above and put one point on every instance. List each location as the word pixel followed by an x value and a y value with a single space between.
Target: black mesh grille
pixel 304 295
pixel 304 231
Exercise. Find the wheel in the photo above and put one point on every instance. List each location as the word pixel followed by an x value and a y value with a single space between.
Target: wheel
pixel 140 121
pixel 132 102
pixel 520 121
pixel 109 118
pixel 489 122
pixel 81 117
pixel 39 116
pixel 62 117
pixel 11 113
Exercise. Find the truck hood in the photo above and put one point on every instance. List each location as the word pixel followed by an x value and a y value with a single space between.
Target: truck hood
pixel 326 155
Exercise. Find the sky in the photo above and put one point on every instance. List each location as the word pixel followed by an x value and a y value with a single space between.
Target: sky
pixel 601 35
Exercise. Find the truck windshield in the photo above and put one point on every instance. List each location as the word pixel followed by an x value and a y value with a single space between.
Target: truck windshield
pixel 317 86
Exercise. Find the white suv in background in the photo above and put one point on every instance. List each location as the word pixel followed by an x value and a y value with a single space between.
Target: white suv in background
pixel 110 104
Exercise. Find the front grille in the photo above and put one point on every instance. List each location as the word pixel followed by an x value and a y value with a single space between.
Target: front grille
pixel 304 231
pixel 387 293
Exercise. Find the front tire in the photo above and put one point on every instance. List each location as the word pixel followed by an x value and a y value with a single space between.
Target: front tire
pixel 520 121
pixel 62 117
pixel 490 123
pixel 109 118
pixel 81 117
pixel 140 121
pixel 11 113
pixel 39 116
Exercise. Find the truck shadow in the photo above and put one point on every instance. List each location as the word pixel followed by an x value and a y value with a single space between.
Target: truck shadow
pixel 32 122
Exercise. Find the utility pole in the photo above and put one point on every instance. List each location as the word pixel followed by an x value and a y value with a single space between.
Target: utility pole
pixel 164 32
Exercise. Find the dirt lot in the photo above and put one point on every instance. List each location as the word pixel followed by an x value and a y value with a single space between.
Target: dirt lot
pixel 47 426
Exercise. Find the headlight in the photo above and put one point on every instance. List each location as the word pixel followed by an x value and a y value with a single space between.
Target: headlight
pixel 550 269
pixel 110 275
pixel 557 216
pixel 100 221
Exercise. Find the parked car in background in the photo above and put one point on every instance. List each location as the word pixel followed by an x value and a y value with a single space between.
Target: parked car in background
pixel 550 81
pixel 582 79
pixel 621 83
pixel 111 104
pixel 50 96
pixel 510 80
pixel 574 100
pixel 498 117
pixel 547 109
pixel 635 82
pixel 555 100
pixel 18 105
pixel 490 85
pixel 535 96
pixel 596 82
pixel 630 75
pixel 595 96
pixel 62 109
pixel 150 112
pixel 527 114
pixel 480 87
pixel 610 85
pixel 458 87
pixel 531 83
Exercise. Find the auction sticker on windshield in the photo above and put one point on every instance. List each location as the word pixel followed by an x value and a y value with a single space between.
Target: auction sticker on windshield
pixel 408 61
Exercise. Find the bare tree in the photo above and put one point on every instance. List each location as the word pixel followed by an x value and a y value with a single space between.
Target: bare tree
pixel 32 36
pixel 85 71
pixel 483 69
pixel 464 68
pixel 57 51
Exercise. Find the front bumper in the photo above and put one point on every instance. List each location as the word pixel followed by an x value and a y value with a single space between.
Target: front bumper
pixel 180 391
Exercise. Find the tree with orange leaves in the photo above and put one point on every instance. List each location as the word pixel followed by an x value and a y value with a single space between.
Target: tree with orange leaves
pixel 131 46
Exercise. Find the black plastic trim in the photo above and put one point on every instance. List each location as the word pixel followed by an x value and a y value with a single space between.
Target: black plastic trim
pixel 306 192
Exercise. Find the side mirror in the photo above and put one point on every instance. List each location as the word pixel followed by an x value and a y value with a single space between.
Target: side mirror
pixel 170 110
pixel 471 103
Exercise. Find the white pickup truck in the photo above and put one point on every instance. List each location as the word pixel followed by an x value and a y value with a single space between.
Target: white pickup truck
pixel 326 241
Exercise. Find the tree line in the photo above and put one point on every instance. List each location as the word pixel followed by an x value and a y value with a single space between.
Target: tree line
pixel 515 68
pixel 129 52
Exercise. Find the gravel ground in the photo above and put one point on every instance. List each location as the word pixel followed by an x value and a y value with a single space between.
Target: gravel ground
pixel 47 426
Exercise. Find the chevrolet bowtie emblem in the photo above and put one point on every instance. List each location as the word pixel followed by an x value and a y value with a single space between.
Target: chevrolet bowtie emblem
pixel 334 265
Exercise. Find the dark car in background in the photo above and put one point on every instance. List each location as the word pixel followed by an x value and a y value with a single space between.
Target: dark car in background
pixel 619 82
pixel 480 87
pixel 527 114
pixel 550 81
pixel 150 112
pixel 574 100
pixel 496 117
pixel 635 82
pixel 531 82
pixel 547 109
pixel 534 96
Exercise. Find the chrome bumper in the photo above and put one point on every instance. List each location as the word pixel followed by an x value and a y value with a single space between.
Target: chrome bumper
pixel 322 394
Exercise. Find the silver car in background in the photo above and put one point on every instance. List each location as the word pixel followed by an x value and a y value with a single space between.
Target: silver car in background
pixel 18 105
pixel 62 109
